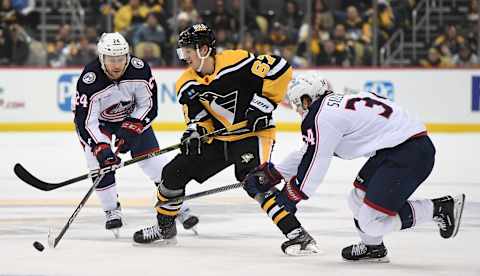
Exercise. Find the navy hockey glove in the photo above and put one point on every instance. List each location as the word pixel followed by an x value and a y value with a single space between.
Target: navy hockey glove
pixel 259 113
pixel 127 134
pixel 191 140
pixel 262 179
pixel 105 155
pixel 292 191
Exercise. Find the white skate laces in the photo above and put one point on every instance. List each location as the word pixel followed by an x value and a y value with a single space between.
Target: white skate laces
pixel 441 222
pixel 113 214
pixel 359 249
pixel 151 233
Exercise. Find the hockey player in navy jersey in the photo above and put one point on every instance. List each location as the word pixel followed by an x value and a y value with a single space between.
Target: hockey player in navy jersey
pixel 401 156
pixel 117 95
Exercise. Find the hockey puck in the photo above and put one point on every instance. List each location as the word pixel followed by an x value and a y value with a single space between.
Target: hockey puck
pixel 38 246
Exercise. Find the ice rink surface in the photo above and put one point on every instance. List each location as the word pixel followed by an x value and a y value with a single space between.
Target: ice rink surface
pixel 235 236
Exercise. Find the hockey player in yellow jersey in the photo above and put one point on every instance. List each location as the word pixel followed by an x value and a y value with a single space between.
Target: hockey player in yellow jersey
pixel 238 91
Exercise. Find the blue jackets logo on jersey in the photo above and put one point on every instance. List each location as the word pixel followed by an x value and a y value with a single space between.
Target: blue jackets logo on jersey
pixel 66 88
pixel 476 93
pixel 381 88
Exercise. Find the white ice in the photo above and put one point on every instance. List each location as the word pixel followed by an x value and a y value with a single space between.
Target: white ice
pixel 236 237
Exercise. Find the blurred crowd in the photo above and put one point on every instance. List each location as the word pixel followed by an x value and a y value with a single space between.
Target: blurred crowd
pixel 338 33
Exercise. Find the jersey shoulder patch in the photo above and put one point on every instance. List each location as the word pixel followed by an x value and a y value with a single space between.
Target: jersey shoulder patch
pixel 92 79
pixel 89 77
pixel 137 63
pixel 138 69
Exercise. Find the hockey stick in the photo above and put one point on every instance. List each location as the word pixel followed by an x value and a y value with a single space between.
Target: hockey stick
pixel 201 194
pixel 31 180
pixel 53 241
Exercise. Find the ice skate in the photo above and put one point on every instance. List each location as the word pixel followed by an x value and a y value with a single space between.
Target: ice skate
pixel 161 234
pixel 300 243
pixel 188 220
pixel 114 220
pixel 365 253
pixel 447 213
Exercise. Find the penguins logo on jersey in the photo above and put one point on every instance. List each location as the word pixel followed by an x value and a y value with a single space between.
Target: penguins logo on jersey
pixel 137 63
pixel 225 105
pixel 118 112
pixel 89 78
pixel 247 157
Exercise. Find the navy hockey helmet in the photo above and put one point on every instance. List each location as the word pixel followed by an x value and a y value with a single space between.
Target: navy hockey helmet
pixel 196 36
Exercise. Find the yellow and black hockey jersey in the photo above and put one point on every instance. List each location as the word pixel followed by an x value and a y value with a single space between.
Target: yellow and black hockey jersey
pixel 221 99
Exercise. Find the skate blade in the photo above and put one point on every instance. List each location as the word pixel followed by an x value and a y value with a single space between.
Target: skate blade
pixel 369 260
pixel 116 232
pixel 194 230
pixel 295 250
pixel 459 202
pixel 159 243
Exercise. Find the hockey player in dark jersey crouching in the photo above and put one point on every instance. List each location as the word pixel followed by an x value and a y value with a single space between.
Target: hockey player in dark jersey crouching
pixel 117 95
pixel 238 91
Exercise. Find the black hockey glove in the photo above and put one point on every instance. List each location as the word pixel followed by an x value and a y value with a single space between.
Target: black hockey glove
pixel 105 155
pixel 262 179
pixel 127 134
pixel 191 140
pixel 259 113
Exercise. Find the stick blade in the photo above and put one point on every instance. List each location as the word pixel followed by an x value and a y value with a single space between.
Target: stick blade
pixel 31 180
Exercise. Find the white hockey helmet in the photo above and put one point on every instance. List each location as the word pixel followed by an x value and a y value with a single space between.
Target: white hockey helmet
pixel 310 84
pixel 112 44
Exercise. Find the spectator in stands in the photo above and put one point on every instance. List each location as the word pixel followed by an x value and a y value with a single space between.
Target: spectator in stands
pixel 158 7
pixel 223 40
pixel 81 53
pixel 362 5
pixel 251 23
pixel 27 16
pixel 324 14
pixel 449 42
pixel 434 60
pixel 20 45
pixel 64 34
pixel 7 12
pixel 354 26
pixel 105 13
pixel 5 46
pixel 318 34
pixel 91 35
pixel 57 54
pixel 221 19
pixel 188 7
pixel 150 31
pixel 331 56
pixel 248 43
pixel 386 22
pixel 343 46
pixel 465 57
pixel 149 52
pixel 473 12
pixel 289 53
pixel 402 12
pixel 291 18
pixel 358 32
pixel 278 35
pixel 130 15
